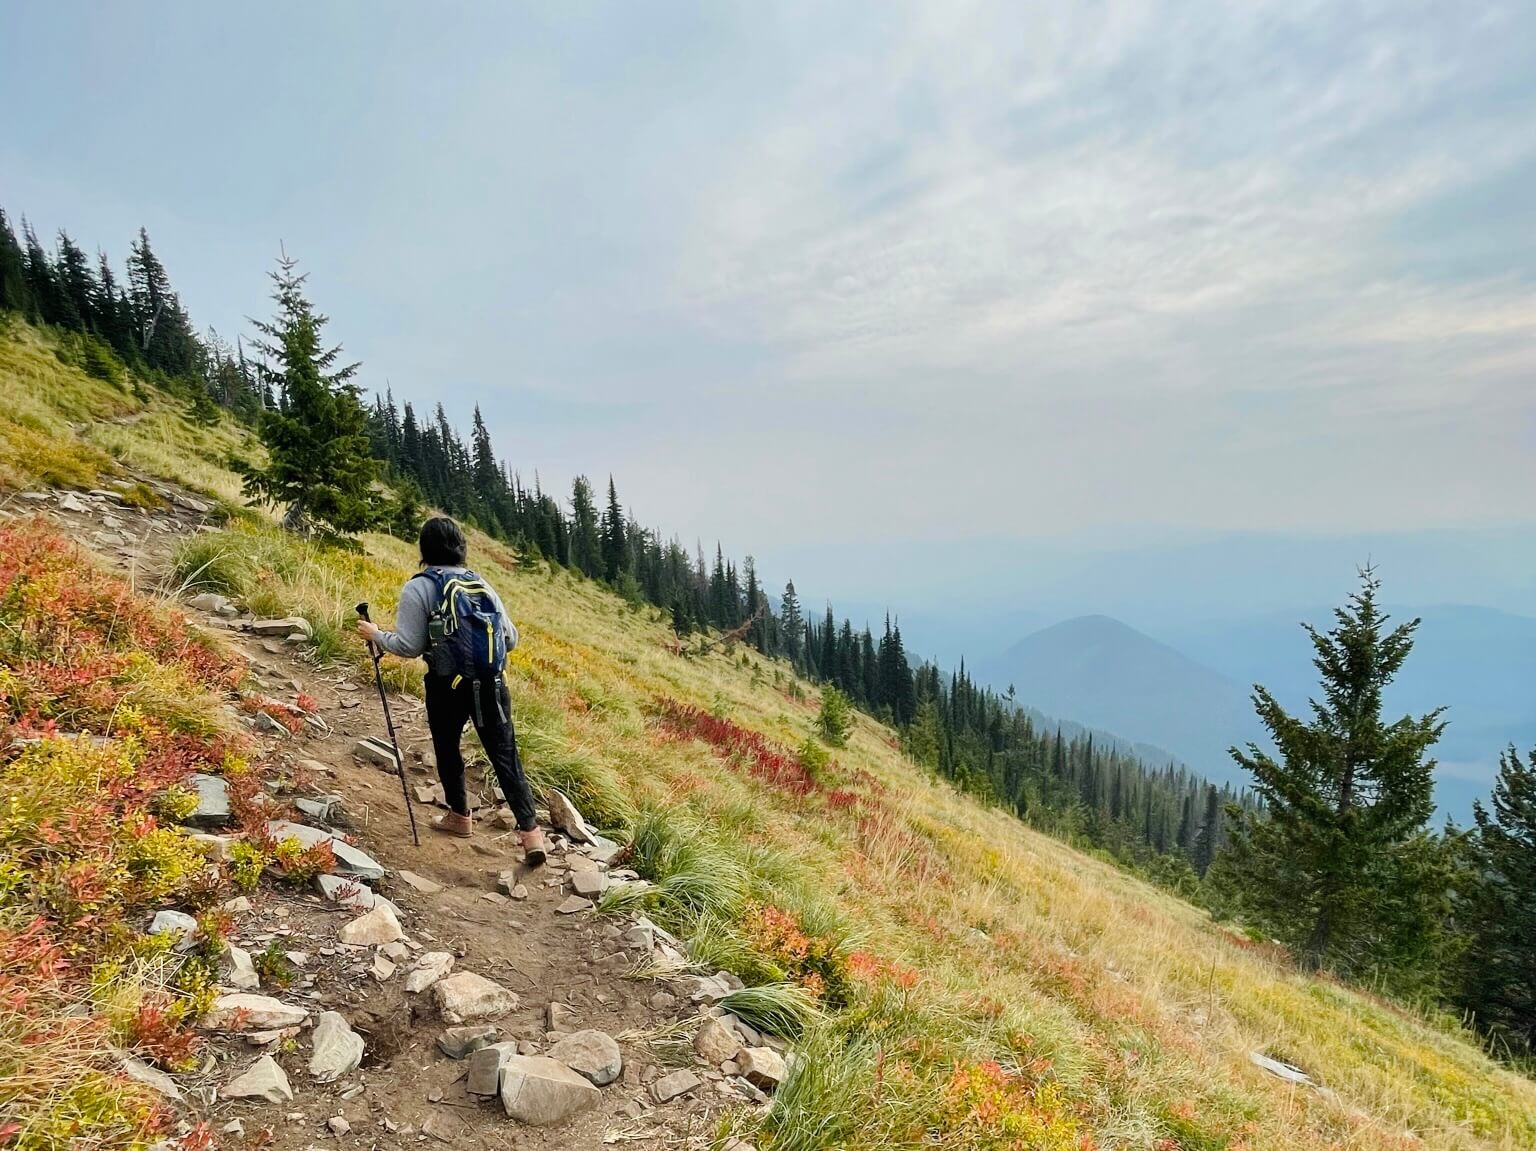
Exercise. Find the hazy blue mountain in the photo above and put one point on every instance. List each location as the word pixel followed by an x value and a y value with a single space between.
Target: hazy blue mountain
pixel 1107 675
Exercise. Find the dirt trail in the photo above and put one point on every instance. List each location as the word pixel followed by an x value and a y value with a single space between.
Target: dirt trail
pixel 407 1092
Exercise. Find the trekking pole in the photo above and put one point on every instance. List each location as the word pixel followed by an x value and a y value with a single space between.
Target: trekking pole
pixel 389 722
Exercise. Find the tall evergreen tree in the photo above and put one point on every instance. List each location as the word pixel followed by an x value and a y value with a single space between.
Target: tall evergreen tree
pixel 317 438
pixel 615 551
pixel 586 546
pixel 1498 982
pixel 792 624
pixel 1347 792
pixel 1208 839
pixel 14 294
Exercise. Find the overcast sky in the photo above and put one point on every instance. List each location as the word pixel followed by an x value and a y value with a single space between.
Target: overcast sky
pixel 869 273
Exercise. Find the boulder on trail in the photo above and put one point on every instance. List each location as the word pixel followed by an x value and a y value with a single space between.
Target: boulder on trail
pixel 485 1064
pixel 669 1087
pixel 537 1090
pixel 716 1041
pixel 156 1080
pixel 430 967
pixel 589 882
pixel 462 1042
pixel 254 1012
pixel 563 816
pixel 574 905
pixel 336 1050
pixel 372 928
pixel 236 969
pixel 287 626
pixel 594 1055
pixel 212 801
pixel 264 1079
pixel 465 997
pixel 376 752
pixel 761 1066
pixel 349 860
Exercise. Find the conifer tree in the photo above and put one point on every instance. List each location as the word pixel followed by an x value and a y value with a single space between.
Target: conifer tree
pixel 14 295
pixel 586 547
pixel 792 624
pixel 1347 792
pixel 318 464
pixel 1498 983
pixel 77 286
pixel 615 552
pixel 1208 839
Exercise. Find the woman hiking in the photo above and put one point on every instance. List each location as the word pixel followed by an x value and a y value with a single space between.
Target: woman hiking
pixel 457 623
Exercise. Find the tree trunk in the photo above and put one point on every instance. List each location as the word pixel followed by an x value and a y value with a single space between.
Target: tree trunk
pixel 1317 941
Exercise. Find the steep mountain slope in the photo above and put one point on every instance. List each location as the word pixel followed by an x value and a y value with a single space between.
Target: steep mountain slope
pixel 1106 674
pixel 984 986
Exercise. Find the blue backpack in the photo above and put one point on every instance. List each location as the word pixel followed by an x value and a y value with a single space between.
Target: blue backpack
pixel 467 634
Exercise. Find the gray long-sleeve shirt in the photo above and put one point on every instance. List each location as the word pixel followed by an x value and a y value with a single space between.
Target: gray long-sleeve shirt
pixel 416 603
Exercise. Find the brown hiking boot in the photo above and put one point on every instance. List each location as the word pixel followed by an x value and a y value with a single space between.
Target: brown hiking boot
pixel 533 847
pixel 453 824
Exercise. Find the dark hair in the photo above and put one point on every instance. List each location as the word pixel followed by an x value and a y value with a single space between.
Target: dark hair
pixel 442 543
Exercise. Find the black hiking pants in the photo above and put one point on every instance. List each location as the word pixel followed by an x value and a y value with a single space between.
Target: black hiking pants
pixel 448 710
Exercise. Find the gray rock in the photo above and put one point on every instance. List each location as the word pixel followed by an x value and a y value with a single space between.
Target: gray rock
pixel 156 1080
pixel 219 848
pixel 590 884
pixel 264 1079
pixel 708 989
pixel 639 938
pixel 338 1125
pixel 564 817
pixel 560 1017
pixel 336 1049
pixel 371 928
pixel 462 1042
pixel 539 1091
pixel 485 1066
pixel 69 502
pixel 465 997
pixel 351 892
pixel 762 1067
pixel 419 882
pixel 325 808
pixel 594 1055
pixel 349 860
pixel 208 601
pixel 258 1012
pixel 574 905
pixel 177 923
pixel 382 969
pixel 282 628
pixel 1278 1069
pixel 212 801
pixel 669 1087
pixel 604 850
pixel 716 1042
pixel 430 967
pixel 377 752
pixel 395 952
pixel 236 969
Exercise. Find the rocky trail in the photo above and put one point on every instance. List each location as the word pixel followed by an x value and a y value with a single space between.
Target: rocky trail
pixel 441 993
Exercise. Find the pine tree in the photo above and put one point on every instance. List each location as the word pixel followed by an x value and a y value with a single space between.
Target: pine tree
pixel 792 624
pixel 77 285
pixel 317 438
pixel 615 550
pixel 14 294
pixel 164 332
pixel 1498 983
pixel 1346 793
pixel 1186 835
pixel 586 547
pixel 1208 839
pixel 836 718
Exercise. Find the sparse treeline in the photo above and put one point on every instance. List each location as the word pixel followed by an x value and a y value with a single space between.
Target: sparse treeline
pixel 1333 855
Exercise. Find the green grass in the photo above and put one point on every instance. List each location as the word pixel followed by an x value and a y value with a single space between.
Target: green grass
pixel 784 1009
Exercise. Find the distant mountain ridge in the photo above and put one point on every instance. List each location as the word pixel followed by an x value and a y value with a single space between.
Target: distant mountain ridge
pixel 1107 675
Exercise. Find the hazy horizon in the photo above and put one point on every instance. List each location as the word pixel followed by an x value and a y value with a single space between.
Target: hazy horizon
pixel 869 282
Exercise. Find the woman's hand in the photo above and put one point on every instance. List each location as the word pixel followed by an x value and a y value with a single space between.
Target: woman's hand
pixel 368 630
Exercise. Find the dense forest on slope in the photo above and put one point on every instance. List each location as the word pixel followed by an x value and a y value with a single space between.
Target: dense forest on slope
pixel 1453 896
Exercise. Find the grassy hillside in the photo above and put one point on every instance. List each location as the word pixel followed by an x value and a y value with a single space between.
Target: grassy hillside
pixel 985 986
